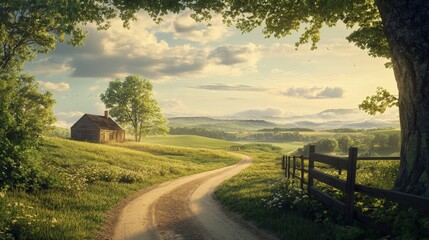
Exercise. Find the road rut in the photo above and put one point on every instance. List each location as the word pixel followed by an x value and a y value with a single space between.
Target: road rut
pixel 185 209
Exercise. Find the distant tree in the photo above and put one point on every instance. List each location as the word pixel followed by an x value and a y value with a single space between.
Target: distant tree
pixel 344 143
pixel 379 143
pixel 131 102
pixel 326 145
pixel 394 142
pixel 25 114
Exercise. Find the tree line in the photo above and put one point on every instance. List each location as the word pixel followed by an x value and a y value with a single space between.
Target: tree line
pixel 370 145
pixel 247 136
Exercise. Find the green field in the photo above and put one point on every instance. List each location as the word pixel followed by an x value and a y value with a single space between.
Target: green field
pixel 287 147
pixel 85 180
pixel 188 141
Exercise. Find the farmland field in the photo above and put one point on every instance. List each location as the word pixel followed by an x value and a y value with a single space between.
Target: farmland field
pixel 188 141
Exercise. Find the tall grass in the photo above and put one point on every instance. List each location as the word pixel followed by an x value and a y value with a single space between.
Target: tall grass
pixel 87 180
pixel 248 193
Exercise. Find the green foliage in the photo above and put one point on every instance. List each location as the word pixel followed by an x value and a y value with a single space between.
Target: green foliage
pixel 24 115
pixel 379 102
pixel 370 143
pixel 256 147
pixel 279 129
pixel 132 103
pixel 326 145
pixel 344 143
pixel 57 132
pixel 261 136
pixel 30 27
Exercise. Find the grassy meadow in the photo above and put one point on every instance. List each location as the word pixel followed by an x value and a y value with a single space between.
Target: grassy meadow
pixel 188 141
pixel 86 180
pixel 261 194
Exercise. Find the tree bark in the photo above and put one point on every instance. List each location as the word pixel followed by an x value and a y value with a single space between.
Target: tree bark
pixel 406 25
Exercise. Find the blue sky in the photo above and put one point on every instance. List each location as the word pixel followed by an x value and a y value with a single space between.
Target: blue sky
pixel 212 71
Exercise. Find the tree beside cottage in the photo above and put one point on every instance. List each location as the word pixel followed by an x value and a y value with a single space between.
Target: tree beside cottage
pixel 131 103
pixel 95 128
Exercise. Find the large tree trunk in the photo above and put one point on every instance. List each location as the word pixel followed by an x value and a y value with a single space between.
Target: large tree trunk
pixel 406 25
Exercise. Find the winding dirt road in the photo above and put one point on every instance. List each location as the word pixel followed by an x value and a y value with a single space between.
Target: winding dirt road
pixel 184 209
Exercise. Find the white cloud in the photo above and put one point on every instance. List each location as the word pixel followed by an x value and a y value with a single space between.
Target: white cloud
pixel 314 92
pixel 67 119
pixel 70 114
pixel 50 86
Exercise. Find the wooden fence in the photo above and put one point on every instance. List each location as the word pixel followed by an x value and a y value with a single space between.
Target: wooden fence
pixel 292 164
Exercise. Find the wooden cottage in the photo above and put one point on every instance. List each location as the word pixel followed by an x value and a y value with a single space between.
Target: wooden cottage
pixel 94 128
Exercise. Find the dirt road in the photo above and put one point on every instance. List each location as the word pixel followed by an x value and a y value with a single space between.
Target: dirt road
pixel 184 209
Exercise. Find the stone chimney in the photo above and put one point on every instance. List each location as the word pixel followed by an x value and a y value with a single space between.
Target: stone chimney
pixel 106 114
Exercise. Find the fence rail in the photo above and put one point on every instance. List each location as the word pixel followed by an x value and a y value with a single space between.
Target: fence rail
pixel 291 164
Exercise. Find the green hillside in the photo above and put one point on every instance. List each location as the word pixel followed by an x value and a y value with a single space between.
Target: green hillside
pixel 188 141
pixel 85 180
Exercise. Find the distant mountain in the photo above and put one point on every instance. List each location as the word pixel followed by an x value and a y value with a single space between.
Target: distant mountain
pixel 324 120
pixel 339 111
pixel 220 124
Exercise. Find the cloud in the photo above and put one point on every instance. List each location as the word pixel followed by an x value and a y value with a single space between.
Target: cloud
pixel 183 27
pixel 236 54
pixel 120 52
pixel 231 87
pixel 50 86
pixel 266 113
pixel 177 108
pixel 314 92
pixel 172 104
pixel 72 114
pixel 67 119
pixel 331 92
pixel 49 65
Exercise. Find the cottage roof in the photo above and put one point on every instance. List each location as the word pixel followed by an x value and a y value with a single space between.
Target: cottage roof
pixel 102 122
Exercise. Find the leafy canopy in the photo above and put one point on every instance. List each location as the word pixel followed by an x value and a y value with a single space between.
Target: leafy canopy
pixel 379 102
pixel 131 102
pixel 25 113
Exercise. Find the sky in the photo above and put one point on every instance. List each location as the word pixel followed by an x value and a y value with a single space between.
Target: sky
pixel 214 71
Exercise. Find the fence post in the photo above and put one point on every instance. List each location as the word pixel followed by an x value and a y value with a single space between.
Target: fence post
pixel 311 150
pixel 293 167
pixel 350 186
pixel 288 167
pixel 302 172
pixel 283 162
